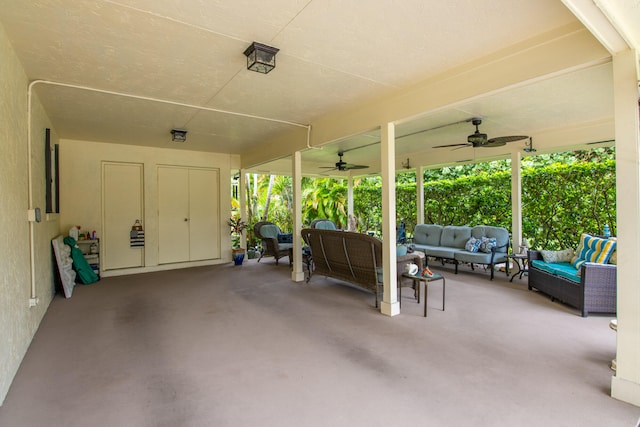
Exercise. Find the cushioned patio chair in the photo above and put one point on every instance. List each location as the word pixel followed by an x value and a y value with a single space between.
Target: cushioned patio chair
pixel 274 242
pixel 323 224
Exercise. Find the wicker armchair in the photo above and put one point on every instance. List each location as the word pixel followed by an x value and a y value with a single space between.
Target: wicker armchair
pixel 268 232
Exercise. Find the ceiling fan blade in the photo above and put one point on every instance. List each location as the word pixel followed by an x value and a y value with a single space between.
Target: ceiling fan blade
pixel 452 145
pixel 351 167
pixel 504 139
pixel 601 142
pixel 491 144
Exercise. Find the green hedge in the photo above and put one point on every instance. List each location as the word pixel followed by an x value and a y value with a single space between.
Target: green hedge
pixel 559 202
pixel 562 201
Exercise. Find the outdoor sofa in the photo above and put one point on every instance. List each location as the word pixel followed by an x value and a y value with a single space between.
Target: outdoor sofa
pixel 352 257
pixel 481 244
pixel 591 288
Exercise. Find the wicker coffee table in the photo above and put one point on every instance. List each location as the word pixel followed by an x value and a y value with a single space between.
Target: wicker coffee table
pixel 419 279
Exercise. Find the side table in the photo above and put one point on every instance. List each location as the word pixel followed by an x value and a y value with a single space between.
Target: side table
pixel 419 279
pixel 522 261
pixel 416 257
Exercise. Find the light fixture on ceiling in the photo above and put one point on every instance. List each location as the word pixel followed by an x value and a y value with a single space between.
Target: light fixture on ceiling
pixel 260 57
pixel 178 135
pixel 477 138
pixel 528 147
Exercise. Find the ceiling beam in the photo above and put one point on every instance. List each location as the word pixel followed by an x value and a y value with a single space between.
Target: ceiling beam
pixel 566 49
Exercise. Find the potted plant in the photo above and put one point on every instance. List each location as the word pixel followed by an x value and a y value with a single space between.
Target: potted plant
pixel 237 225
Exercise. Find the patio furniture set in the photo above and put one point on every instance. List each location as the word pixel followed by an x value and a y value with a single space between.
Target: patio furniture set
pixel 587 282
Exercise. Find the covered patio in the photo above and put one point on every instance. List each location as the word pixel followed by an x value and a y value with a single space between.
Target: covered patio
pixel 386 85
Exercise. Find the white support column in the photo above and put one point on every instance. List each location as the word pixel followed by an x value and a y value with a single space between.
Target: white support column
pixel 389 305
pixel 297 275
pixel 349 195
pixel 516 200
pixel 420 195
pixel 625 385
pixel 242 198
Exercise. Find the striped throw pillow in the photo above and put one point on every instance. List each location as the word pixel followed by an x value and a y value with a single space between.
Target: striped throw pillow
pixel 593 249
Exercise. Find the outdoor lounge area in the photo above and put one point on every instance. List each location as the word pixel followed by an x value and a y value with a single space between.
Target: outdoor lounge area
pixel 165 130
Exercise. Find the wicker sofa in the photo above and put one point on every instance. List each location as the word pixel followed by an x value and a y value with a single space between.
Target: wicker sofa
pixel 449 243
pixel 352 257
pixel 594 293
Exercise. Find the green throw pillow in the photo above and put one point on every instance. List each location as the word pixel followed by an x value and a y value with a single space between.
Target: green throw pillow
pixel 565 255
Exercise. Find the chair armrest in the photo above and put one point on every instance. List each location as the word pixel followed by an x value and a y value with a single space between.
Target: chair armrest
pixel 494 251
pixel 408 259
pixel 534 255
pixel 495 248
pixel 598 275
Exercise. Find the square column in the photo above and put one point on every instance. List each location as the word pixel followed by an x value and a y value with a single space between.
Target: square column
pixel 390 305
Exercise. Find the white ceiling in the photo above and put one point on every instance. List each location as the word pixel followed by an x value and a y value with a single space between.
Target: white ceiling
pixel 163 64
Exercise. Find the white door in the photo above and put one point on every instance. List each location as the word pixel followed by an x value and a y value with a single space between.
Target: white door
pixel 122 205
pixel 173 214
pixel 204 231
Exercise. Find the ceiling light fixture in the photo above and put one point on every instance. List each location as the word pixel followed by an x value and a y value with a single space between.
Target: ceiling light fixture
pixel 178 135
pixel 260 57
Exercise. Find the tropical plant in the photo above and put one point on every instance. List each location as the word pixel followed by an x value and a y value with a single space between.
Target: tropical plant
pixel 324 198
pixel 563 194
pixel 237 226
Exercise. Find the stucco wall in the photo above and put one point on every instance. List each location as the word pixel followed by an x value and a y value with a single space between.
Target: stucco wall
pixel 81 186
pixel 80 166
pixel 18 321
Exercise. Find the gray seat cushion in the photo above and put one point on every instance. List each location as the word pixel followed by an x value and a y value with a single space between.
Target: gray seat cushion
pixel 325 225
pixel 270 231
pixel 427 234
pixel 473 257
pixel 284 246
pixel 436 251
pixel 455 236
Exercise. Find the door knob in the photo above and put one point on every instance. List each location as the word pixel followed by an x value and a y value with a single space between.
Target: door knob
pixel 185 220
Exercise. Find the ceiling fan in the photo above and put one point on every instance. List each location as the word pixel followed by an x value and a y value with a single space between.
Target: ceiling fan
pixel 479 139
pixel 341 165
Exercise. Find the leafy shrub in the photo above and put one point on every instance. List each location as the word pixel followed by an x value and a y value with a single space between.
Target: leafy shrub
pixel 559 202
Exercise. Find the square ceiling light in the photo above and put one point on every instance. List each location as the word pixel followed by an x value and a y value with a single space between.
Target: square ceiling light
pixel 178 135
pixel 260 57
